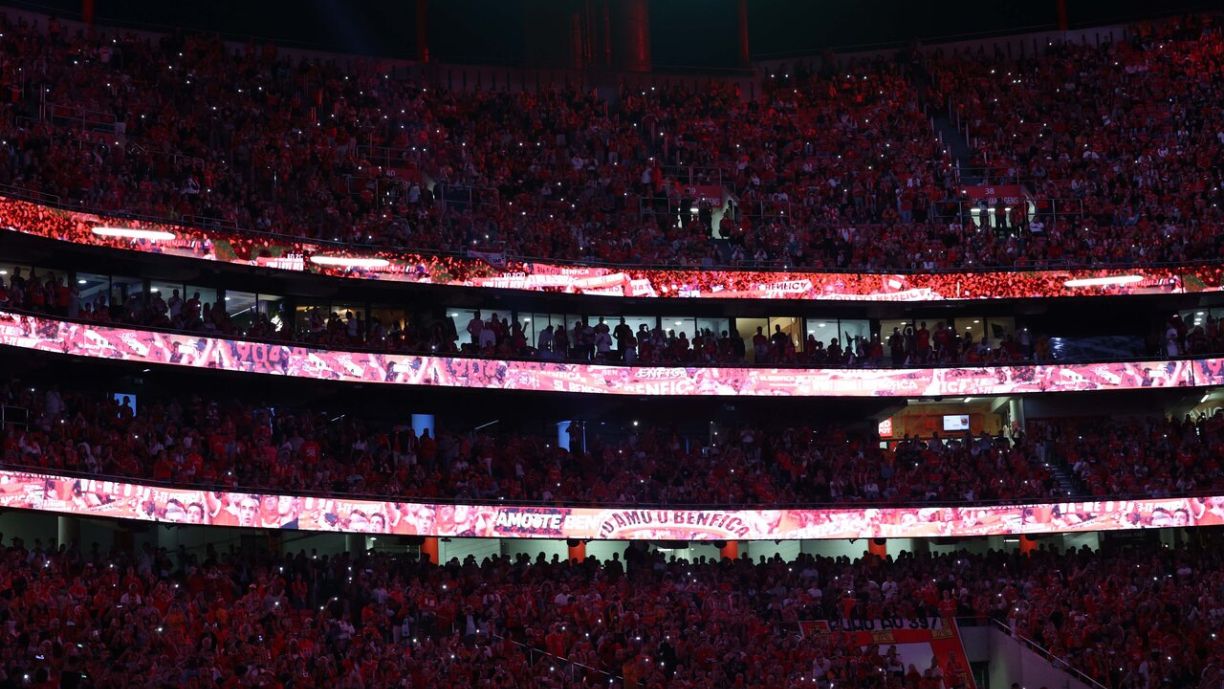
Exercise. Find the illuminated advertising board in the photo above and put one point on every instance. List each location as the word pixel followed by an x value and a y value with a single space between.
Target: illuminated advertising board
pixel 120 499
pixel 205 352
pixel 479 270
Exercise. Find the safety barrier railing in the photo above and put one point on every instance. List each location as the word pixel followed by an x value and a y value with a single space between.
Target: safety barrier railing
pixel 1058 662
pixel 573 667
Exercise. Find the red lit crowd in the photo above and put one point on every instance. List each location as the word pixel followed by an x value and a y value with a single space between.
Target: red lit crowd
pixel 195 441
pixel 80 617
pixel 1128 133
pixel 823 169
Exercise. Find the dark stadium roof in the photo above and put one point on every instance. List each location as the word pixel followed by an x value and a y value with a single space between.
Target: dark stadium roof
pixel 684 33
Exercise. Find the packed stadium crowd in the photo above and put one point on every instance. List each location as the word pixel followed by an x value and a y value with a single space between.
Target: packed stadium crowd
pixel 1202 335
pixel 80 617
pixel 823 169
pixel 1128 133
pixel 1117 147
pixel 235 444
pixel 1138 455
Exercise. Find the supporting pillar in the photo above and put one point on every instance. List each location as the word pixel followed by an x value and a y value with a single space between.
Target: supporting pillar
pixel 68 531
pixel 745 57
pixel 729 551
pixel 878 547
pixel 422 31
pixel 635 44
pixel 124 539
pixel 430 548
pixel 577 551
pixel 604 14
pixel 577 32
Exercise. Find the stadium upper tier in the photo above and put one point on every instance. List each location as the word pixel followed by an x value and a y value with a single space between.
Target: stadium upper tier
pixel 1080 156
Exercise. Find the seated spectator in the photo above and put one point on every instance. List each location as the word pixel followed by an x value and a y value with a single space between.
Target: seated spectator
pixel 196 441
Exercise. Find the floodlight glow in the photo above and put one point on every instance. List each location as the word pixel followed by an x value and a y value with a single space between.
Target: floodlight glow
pixel 1111 281
pixel 134 233
pixel 349 261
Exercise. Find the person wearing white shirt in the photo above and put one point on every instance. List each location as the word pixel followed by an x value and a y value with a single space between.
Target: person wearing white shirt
pixel 488 336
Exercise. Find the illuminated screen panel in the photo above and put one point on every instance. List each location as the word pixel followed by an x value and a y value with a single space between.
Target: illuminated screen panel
pixel 198 351
pixel 107 498
pixel 251 249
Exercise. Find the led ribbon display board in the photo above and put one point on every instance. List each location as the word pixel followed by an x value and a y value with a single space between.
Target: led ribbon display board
pixel 284 253
pixel 111 498
pixel 203 352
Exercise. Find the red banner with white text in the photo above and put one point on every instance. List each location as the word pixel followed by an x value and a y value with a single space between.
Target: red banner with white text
pixel 186 505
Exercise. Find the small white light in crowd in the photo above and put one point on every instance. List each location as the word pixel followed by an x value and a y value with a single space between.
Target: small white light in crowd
pixel 349 261
pixel 134 233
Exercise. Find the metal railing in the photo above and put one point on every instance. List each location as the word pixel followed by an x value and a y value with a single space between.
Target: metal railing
pixel 30 195
pixel 694 175
pixel 1054 212
pixel 12 414
pixel 1058 662
pixel 465 197
pixel 388 156
pixel 535 655
pixel 77 117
